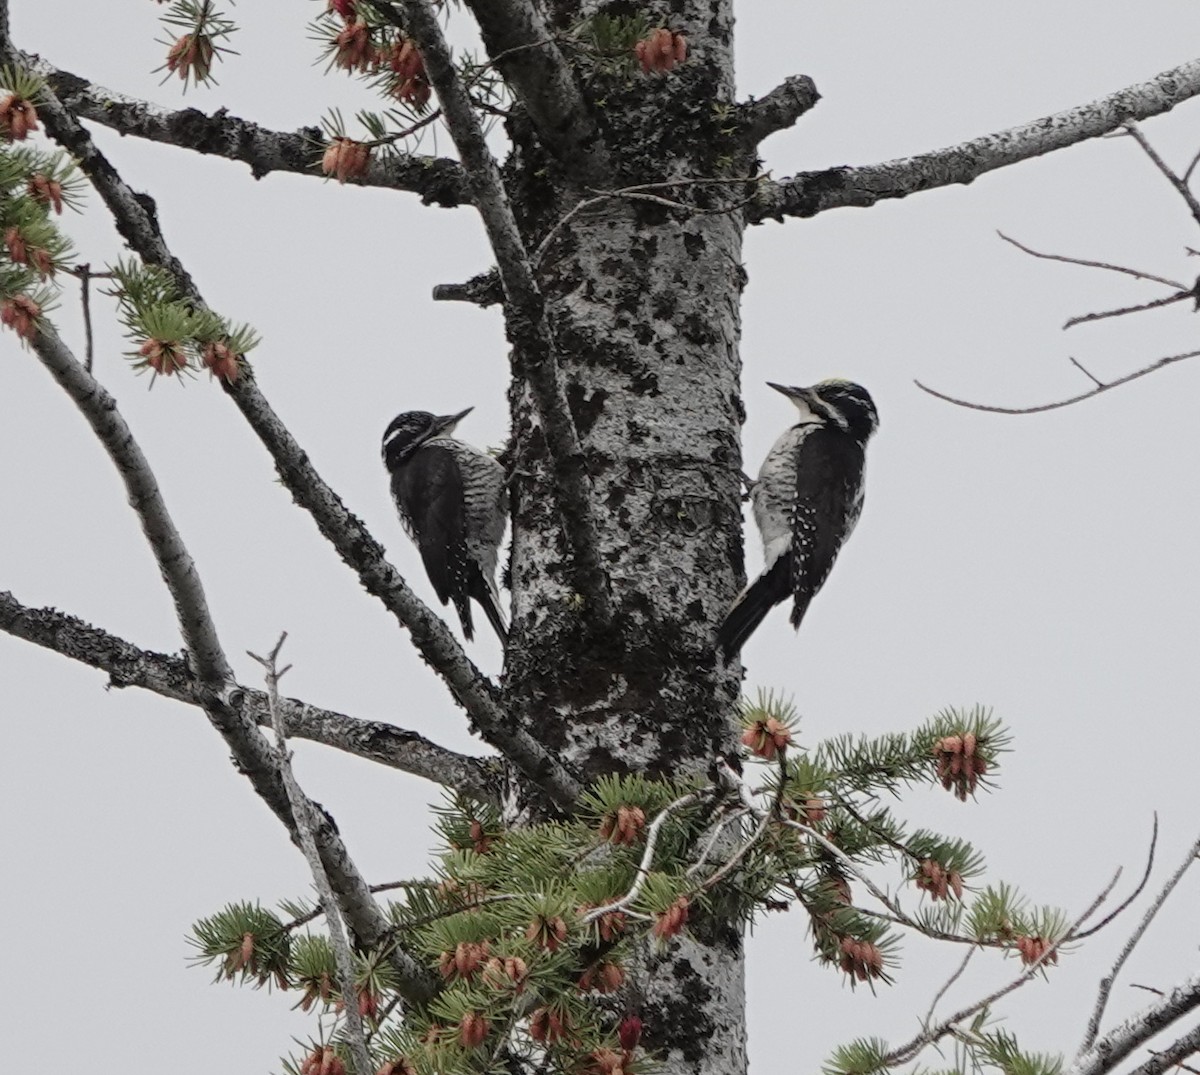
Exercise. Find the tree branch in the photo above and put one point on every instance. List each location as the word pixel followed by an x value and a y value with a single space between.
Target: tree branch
pixel 1175 180
pixel 1169 1057
pixel 524 309
pixel 1137 274
pixel 168 676
pixel 1118 1043
pixel 482 290
pixel 438 180
pixel 1106 983
pixel 205 656
pixel 778 110
pixel 525 52
pixel 214 678
pixel 137 223
pixel 307 821
pixel 1101 386
pixel 809 193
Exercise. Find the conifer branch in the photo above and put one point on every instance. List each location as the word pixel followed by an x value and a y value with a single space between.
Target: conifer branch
pixel 438 180
pixel 303 814
pixel 932 1034
pixel 168 676
pixel 525 313
pixel 809 193
pixel 137 223
pixel 643 869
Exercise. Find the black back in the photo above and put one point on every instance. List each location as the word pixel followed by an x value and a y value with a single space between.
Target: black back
pixel 829 478
pixel 428 489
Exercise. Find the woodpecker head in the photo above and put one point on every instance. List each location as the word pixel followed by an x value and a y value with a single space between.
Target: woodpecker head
pixel 408 431
pixel 835 402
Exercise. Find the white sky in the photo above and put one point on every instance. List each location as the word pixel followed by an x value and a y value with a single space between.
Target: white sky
pixel 1042 565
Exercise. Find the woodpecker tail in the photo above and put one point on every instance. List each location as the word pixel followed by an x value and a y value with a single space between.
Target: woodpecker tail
pixel 489 600
pixel 751 608
pixel 462 605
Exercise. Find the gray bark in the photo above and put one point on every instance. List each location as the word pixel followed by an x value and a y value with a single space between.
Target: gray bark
pixel 643 302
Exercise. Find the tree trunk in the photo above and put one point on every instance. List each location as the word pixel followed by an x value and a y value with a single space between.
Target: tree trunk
pixel 644 302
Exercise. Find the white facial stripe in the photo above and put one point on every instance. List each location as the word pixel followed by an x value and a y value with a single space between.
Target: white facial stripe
pixel 807 415
pixel 831 414
pixel 391 437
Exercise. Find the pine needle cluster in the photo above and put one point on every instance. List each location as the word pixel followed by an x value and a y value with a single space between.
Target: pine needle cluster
pixel 35 185
pixel 170 336
pixel 533 932
pixel 196 34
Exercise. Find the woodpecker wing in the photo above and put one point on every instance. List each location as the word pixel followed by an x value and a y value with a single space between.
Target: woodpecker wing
pixel 829 486
pixel 428 490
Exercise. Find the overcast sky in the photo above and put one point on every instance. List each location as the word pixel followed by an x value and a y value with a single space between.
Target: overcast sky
pixel 1043 565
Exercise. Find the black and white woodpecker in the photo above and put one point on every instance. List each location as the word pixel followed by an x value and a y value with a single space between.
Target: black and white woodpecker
pixel 806 501
pixel 451 500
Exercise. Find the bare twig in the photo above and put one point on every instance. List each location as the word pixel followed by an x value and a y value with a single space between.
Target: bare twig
pixel 945 988
pixel 1106 983
pixel 904 1053
pixel 398 136
pixel 643 870
pixel 774 813
pixel 1137 891
pixel 525 310
pixel 302 811
pixel 1179 184
pixel 714 836
pixel 1039 408
pixel 1110 1049
pixel 730 863
pixel 1171 1056
pixel 84 272
pixel 169 676
pixel 644 192
pixel 1085 371
pixel 1083 319
pixel 809 193
pixel 1088 263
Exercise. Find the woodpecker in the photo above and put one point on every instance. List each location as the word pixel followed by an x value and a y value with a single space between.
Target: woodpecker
pixel 806 501
pixel 450 497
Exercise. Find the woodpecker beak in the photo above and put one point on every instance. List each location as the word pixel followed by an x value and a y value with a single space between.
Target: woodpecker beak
pixel 802 397
pixel 447 422
pixel 791 391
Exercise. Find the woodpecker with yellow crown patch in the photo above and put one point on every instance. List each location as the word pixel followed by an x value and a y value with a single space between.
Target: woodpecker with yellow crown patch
pixel 807 498
pixel 451 500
